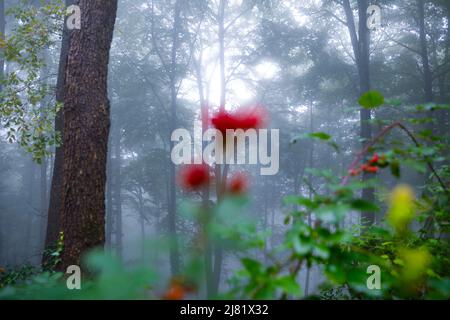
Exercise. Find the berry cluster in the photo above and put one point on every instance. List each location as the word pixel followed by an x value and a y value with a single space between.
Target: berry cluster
pixel 371 166
pixel 195 177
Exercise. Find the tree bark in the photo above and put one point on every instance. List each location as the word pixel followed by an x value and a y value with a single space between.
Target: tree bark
pixel 53 218
pixel 86 129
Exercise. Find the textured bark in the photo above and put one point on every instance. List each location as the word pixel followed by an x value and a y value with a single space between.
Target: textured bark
pixel 53 223
pixel 86 129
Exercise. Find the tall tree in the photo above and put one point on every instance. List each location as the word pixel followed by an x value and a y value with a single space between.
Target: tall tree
pixel 174 252
pixel 2 38
pixel 427 75
pixel 2 67
pixel 53 216
pixel 361 49
pixel 86 129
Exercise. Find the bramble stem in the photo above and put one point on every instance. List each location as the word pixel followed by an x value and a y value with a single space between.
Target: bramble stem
pixel 378 137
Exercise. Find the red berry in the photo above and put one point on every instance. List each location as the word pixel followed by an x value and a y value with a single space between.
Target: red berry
pixel 194 176
pixel 354 172
pixel 244 118
pixel 374 159
pixel 371 169
pixel 238 184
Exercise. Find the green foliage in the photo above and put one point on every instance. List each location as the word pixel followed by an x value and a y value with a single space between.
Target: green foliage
pixel 108 279
pixel 321 136
pixel 410 245
pixel 26 110
pixel 52 256
pixel 13 277
pixel 413 264
pixel 371 99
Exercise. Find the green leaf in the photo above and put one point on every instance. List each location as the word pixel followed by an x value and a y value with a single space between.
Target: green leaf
pixel 319 135
pixel 395 169
pixel 252 266
pixel 371 99
pixel 363 205
pixel 288 284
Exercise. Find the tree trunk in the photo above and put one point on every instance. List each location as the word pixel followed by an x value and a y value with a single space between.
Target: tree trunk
pixel 218 254
pixel 427 76
pixel 43 167
pixel 205 194
pixel 86 128
pixel 361 49
pixel 29 187
pixel 117 193
pixel 172 210
pixel 310 177
pixel 368 218
pixel 53 216
pixel 2 68
pixel 109 211
pixel 2 37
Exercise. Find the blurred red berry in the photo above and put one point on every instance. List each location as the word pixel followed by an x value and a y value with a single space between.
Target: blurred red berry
pixel 194 176
pixel 354 172
pixel 374 159
pixel 368 168
pixel 238 184
pixel 244 118
pixel 175 292
pixel 364 167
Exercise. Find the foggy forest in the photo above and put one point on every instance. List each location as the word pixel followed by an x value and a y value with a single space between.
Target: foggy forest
pixel 224 149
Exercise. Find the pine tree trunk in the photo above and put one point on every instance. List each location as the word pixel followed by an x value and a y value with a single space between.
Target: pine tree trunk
pixel 86 128
pixel 53 218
